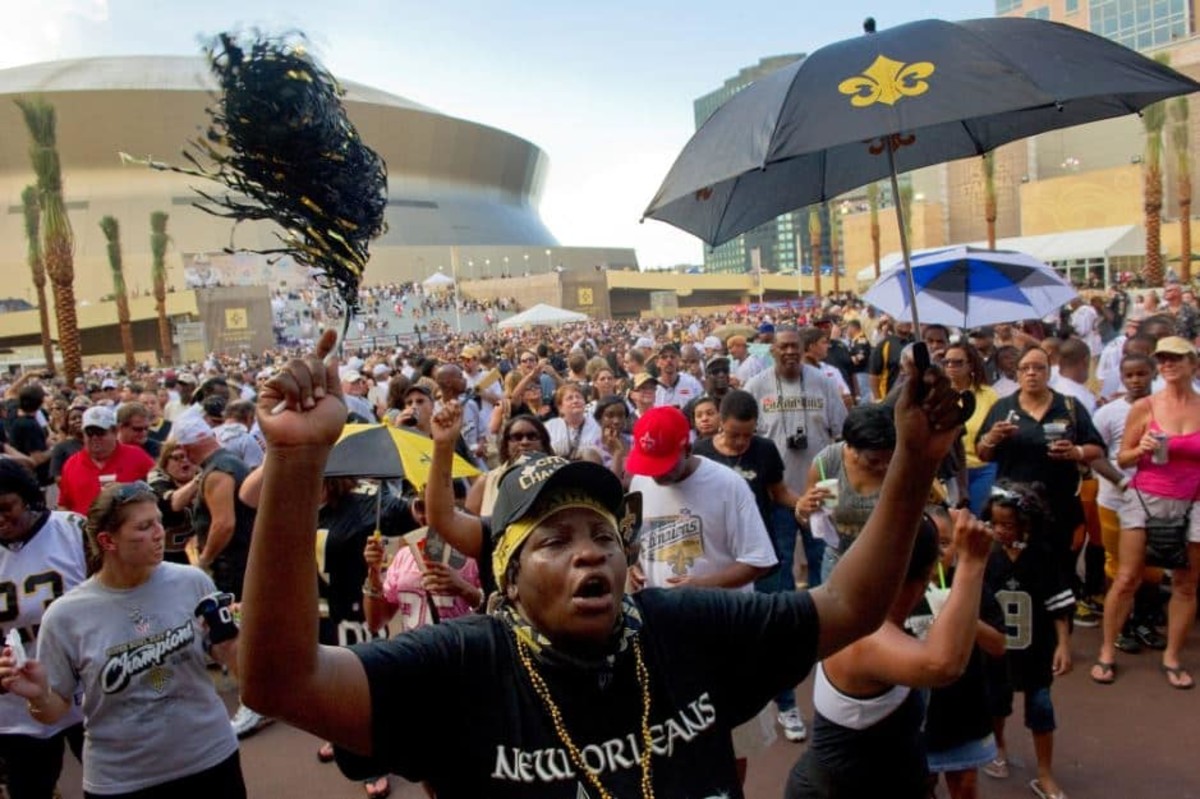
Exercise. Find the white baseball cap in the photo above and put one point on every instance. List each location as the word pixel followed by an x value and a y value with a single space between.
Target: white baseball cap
pixel 99 416
pixel 191 428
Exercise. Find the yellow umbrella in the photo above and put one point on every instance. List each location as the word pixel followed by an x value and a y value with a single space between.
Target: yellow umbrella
pixel 381 450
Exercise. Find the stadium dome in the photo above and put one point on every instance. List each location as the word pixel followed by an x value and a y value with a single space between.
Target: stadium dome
pixel 452 183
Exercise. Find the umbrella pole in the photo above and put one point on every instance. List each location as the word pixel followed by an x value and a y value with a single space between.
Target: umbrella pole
pixel 912 285
pixel 378 507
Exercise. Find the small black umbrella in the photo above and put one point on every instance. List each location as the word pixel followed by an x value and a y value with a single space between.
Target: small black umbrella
pixel 911 96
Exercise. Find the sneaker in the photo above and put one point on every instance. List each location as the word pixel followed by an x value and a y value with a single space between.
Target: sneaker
pixel 793 725
pixel 1085 616
pixel 1128 644
pixel 246 722
pixel 1149 637
pixel 997 769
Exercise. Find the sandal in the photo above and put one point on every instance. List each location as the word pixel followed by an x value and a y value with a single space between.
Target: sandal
pixel 1176 676
pixel 997 769
pixel 378 788
pixel 1104 673
pixel 1036 786
pixel 325 753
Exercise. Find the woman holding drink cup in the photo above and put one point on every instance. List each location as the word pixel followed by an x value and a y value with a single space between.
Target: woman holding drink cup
pixel 1162 437
pixel 845 478
pixel 1037 435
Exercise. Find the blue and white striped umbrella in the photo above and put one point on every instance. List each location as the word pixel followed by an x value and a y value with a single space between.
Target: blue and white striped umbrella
pixel 968 287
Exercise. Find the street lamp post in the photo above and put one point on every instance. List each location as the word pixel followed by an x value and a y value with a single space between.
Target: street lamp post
pixel 526 263
pixel 549 266
pixel 487 267
pixel 505 272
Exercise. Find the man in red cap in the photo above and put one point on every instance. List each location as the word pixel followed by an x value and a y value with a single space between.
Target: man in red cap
pixel 701 524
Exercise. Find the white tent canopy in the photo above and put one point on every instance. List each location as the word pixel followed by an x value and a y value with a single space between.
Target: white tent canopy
pixel 542 315
pixel 438 280
pixel 1063 248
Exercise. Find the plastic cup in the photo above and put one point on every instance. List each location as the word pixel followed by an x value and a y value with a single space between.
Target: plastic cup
pixel 1054 431
pixel 936 597
pixel 830 485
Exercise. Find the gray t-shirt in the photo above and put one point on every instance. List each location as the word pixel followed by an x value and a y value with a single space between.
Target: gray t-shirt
pixel 152 713
pixel 812 405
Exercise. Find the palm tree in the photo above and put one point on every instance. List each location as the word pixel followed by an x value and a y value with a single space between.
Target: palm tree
pixel 989 196
pixel 873 204
pixel 33 236
pixel 112 232
pixel 1178 111
pixel 1153 118
pixel 833 247
pixel 58 243
pixel 906 209
pixel 814 244
pixel 158 274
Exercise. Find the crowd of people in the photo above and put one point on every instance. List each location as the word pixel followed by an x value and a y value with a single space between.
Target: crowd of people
pixel 735 487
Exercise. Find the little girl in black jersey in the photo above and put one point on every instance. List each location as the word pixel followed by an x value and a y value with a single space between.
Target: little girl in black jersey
pixel 1037 603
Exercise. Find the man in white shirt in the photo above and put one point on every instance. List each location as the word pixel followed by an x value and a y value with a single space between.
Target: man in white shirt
pixel 1073 361
pixel 1085 322
pixel 815 344
pixel 1108 370
pixel 675 388
pixel 701 525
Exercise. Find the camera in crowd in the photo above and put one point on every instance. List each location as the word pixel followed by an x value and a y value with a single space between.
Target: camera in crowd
pixel 798 440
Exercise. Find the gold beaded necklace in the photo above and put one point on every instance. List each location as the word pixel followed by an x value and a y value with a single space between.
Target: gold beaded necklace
pixel 543 692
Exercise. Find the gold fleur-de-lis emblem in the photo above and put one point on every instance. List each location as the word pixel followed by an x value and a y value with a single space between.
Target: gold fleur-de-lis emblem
pixel 887 81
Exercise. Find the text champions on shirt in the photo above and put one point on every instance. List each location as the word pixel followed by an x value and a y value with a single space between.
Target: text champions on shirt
pixel 796 403
pixel 616 754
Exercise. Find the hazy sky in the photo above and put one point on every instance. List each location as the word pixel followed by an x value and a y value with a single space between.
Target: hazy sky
pixel 605 89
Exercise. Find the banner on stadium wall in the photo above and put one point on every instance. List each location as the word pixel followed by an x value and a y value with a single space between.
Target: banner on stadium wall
pixel 236 319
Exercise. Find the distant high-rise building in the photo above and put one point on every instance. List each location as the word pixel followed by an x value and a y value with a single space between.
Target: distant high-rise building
pixel 1139 24
pixel 782 243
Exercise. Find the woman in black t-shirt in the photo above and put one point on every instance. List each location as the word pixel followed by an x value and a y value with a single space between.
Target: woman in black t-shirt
pixel 1037 435
pixel 569 686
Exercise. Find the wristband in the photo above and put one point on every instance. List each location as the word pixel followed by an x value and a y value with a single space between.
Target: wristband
pixel 218 617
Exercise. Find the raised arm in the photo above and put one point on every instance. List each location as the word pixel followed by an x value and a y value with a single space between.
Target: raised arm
pixel 890 657
pixel 853 602
pixel 462 531
pixel 283 671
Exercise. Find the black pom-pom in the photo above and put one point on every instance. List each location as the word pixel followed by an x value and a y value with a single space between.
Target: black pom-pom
pixel 280 140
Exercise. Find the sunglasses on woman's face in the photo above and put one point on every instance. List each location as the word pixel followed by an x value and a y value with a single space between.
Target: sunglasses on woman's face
pixel 955 362
pixel 520 436
pixel 1168 357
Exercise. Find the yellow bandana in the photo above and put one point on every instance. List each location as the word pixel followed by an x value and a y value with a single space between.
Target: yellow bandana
pixel 515 534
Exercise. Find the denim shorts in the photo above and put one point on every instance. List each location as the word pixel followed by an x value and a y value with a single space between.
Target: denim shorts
pixel 1039 710
pixel 963 757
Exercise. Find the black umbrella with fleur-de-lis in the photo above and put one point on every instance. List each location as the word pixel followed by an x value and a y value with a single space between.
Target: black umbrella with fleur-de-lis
pixel 885 103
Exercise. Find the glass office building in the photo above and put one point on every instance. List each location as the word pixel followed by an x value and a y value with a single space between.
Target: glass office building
pixel 1138 24
pixel 776 241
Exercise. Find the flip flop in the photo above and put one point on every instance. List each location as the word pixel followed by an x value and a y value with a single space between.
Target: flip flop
pixel 376 792
pixel 1108 673
pixel 1035 785
pixel 1179 673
